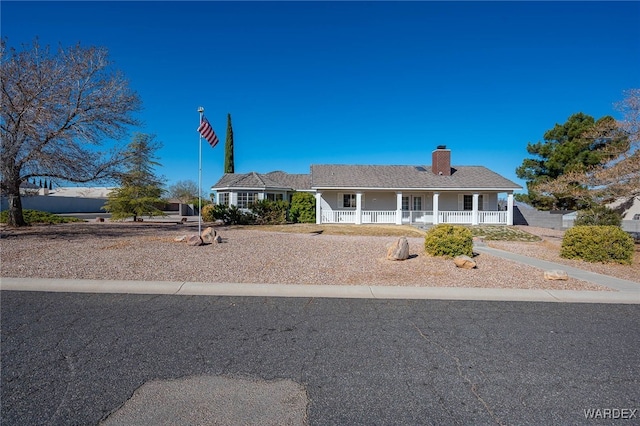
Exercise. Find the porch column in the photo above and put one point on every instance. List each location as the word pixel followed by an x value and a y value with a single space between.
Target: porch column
pixel 510 209
pixel 436 196
pixel 474 211
pixel 318 207
pixel 399 208
pixel 358 208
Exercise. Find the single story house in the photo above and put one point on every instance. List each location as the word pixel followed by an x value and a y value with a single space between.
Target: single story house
pixel 359 194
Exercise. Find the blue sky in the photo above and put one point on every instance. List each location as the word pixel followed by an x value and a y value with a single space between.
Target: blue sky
pixel 351 82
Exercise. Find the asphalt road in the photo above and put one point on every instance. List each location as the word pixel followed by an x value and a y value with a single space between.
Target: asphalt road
pixel 75 358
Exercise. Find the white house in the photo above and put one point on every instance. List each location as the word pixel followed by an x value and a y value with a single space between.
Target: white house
pixel 361 194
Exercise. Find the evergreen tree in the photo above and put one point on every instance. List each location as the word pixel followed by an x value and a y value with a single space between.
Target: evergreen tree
pixel 141 190
pixel 565 149
pixel 228 148
pixel 617 176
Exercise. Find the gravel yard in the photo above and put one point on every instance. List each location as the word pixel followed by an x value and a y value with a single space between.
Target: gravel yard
pixel 132 251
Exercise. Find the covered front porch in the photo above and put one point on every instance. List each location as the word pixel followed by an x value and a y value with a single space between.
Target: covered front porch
pixel 473 208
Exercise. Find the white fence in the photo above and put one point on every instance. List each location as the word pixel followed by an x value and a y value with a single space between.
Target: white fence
pixel 454 217
pixel 423 217
pixel 373 216
pixel 417 216
pixel 498 218
pixel 339 216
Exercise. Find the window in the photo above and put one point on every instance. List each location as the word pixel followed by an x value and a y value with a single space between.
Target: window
pixel 245 199
pixel 405 203
pixel 223 198
pixel 274 197
pixel 349 201
pixel 468 202
pixel 417 203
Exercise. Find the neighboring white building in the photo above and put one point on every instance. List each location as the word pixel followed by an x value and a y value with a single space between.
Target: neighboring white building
pixel 82 192
pixel 63 199
pixel 361 194
pixel 629 209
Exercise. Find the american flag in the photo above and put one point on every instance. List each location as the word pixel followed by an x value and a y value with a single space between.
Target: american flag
pixel 207 132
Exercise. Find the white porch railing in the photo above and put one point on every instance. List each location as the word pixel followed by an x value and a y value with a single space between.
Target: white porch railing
pixel 338 216
pixel 417 216
pixel 378 216
pixel 495 218
pixel 454 217
pixel 423 217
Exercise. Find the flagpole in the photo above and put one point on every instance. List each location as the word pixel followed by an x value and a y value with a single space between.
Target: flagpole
pixel 201 111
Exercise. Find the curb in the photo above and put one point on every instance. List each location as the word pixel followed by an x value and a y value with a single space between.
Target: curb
pixel 320 291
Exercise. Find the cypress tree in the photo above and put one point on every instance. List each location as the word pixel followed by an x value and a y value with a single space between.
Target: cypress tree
pixel 228 148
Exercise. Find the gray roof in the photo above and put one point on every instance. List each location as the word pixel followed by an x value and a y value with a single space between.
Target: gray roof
pixel 406 177
pixel 339 176
pixel 274 181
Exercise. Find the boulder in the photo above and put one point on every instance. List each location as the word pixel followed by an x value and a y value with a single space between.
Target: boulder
pixel 208 235
pixel 195 240
pixel 465 262
pixel 180 239
pixel 217 239
pixel 556 275
pixel 398 250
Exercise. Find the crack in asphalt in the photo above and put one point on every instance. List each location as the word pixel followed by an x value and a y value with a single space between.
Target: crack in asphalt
pixel 63 400
pixel 473 386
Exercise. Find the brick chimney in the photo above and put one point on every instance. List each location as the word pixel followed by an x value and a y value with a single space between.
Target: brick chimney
pixel 441 161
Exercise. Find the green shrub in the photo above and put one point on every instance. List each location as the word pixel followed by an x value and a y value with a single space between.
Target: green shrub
pixel 598 244
pixel 269 212
pixel 303 208
pixel 449 241
pixel 36 216
pixel 208 213
pixel 598 216
pixel 230 215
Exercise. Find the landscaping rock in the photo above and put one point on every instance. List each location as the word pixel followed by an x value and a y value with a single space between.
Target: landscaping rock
pixel 556 275
pixel 208 235
pixel 195 240
pixel 180 239
pixel 217 239
pixel 398 250
pixel 465 262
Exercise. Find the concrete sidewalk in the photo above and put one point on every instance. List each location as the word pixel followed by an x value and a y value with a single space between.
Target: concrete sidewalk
pixel 592 277
pixel 630 296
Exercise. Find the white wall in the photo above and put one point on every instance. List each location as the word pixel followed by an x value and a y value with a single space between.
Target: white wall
pixel 59 204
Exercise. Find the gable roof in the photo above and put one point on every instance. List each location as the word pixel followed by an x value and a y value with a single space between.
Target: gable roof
pixel 273 180
pixel 334 176
pixel 299 182
pixel 337 176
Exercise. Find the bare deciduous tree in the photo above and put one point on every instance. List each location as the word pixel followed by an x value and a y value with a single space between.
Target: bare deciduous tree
pixel 57 109
pixel 184 191
pixel 618 176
